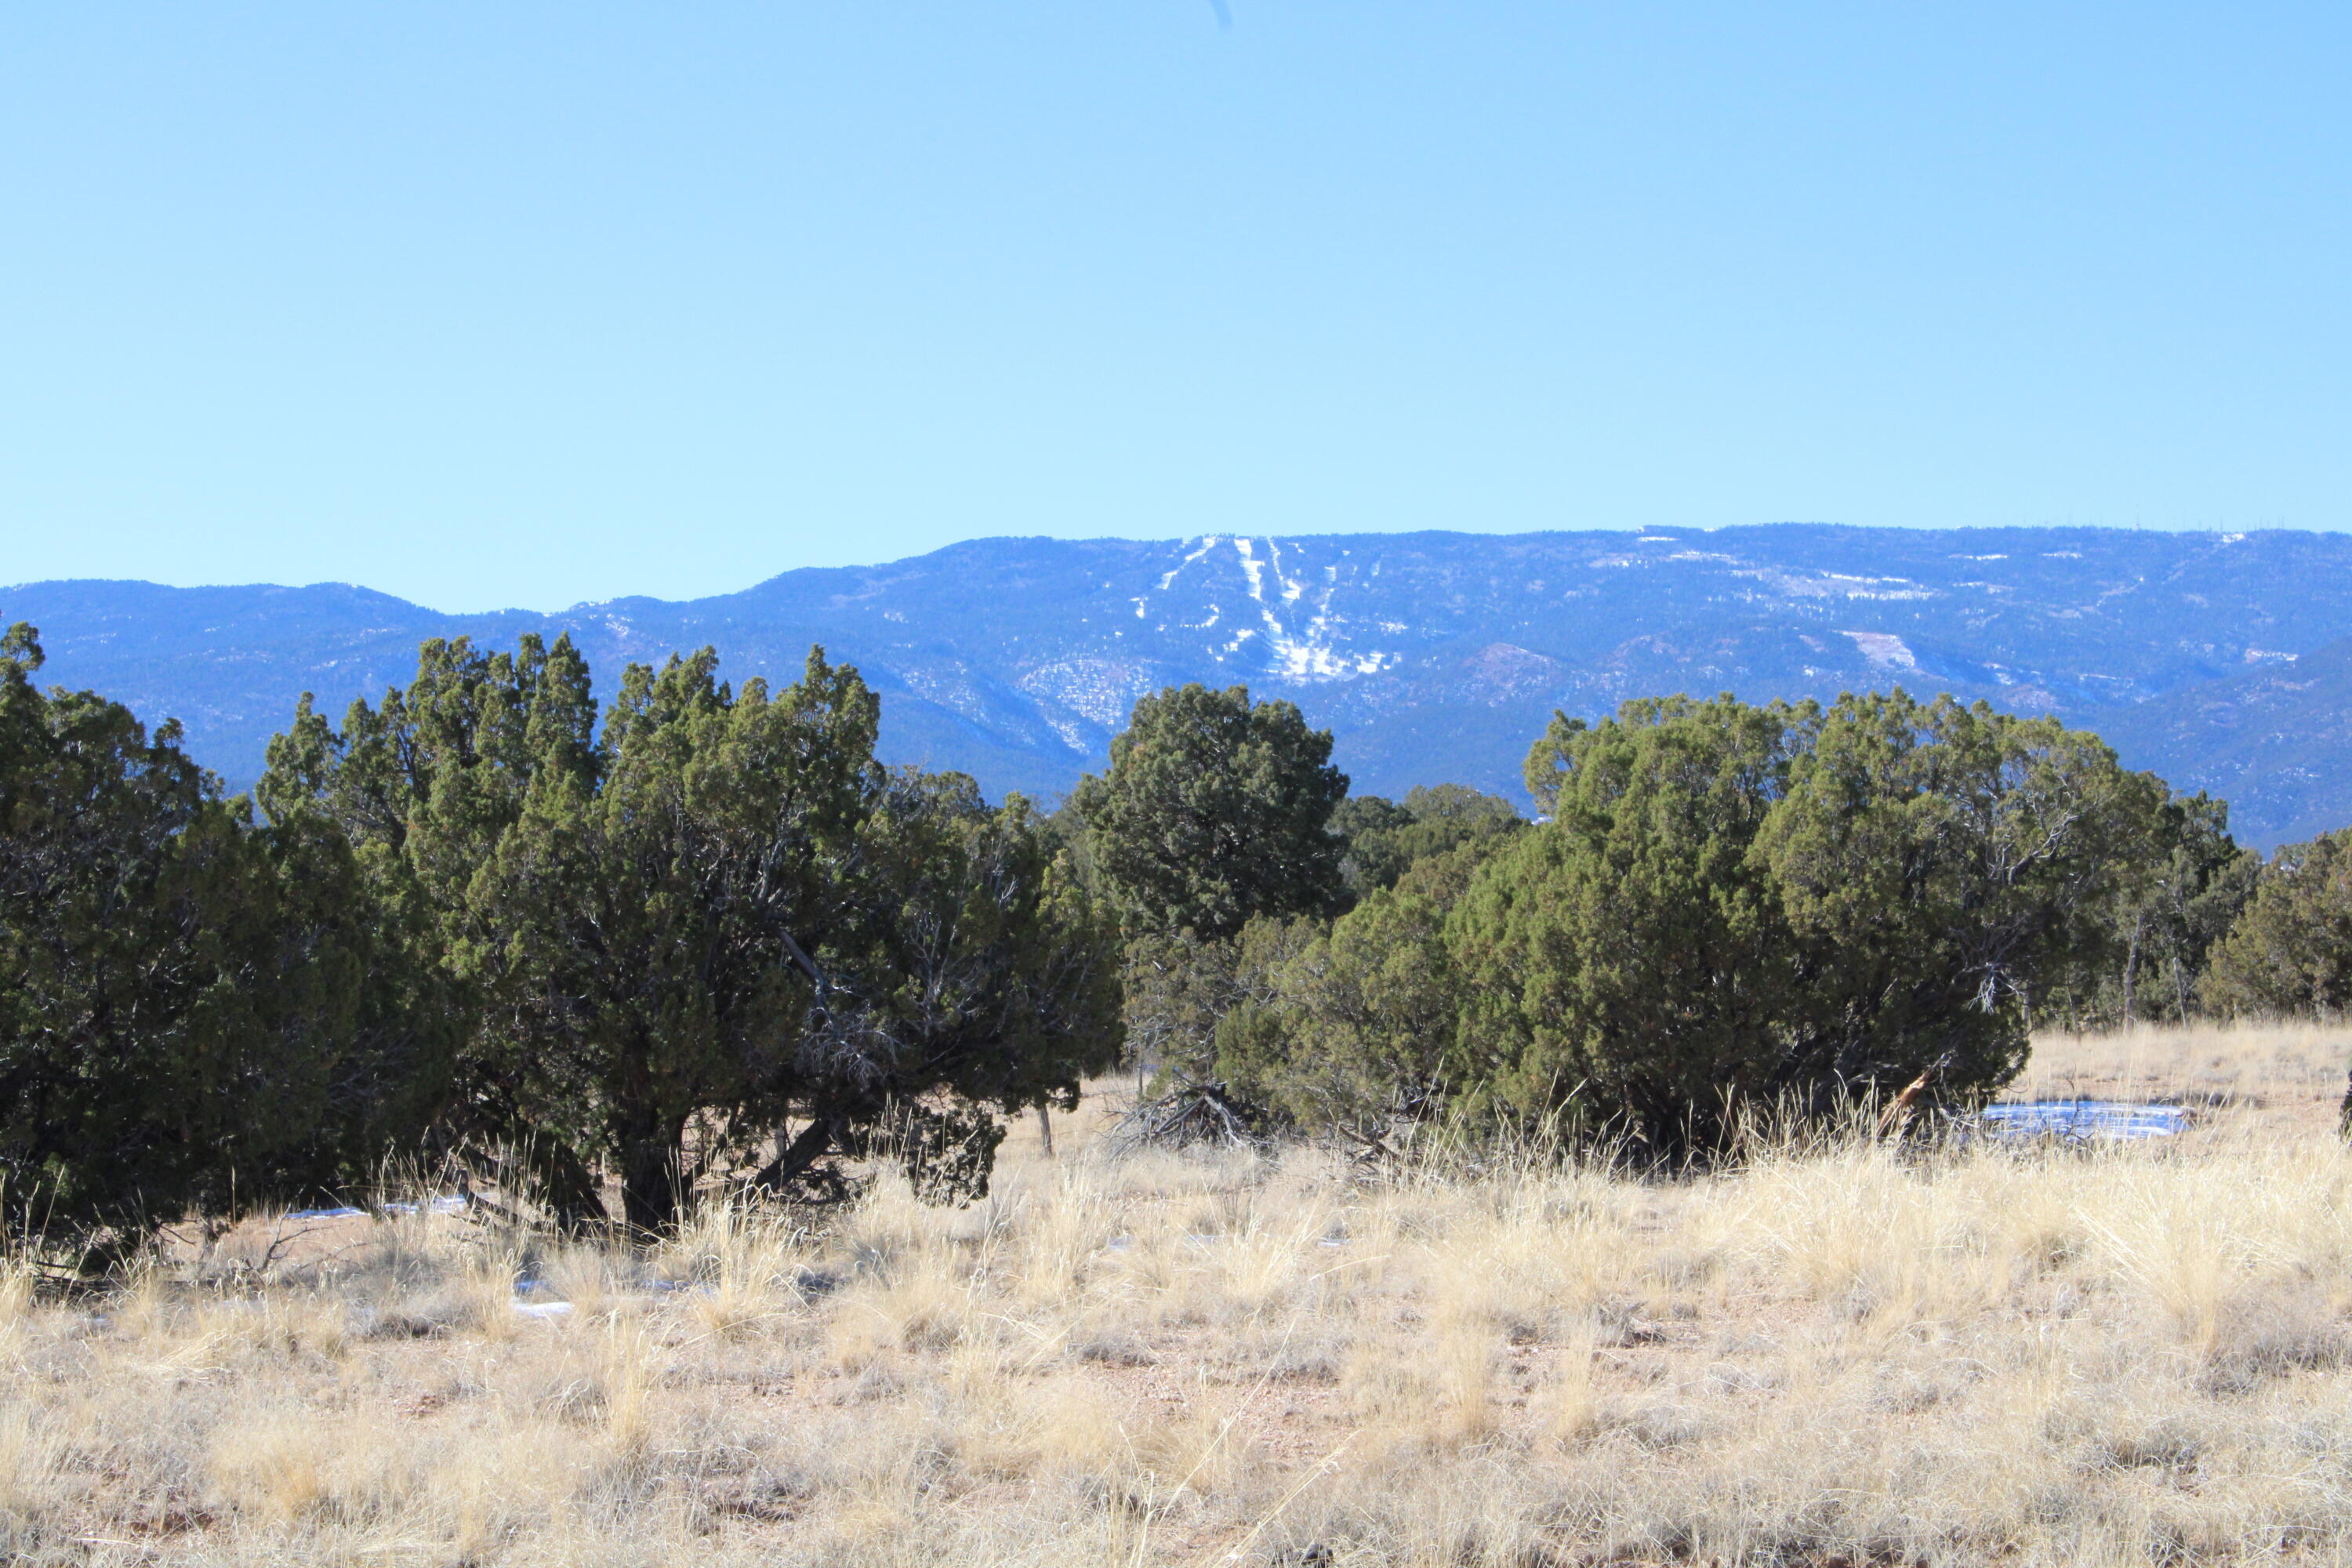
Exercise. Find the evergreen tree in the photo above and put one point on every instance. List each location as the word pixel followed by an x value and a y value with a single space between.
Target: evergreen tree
pixel 193 1011
pixel 423 787
pixel 645 922
pixel 2185 905
pixel 1937 864
pixel 1627 959
pixel 1385 838
pixel 714 924
pixel 1213 810
pixel 1359 1031
pixel 2289 953
pixel 1776 905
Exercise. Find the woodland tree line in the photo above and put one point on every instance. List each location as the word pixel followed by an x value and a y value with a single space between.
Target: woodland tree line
pixel 700 939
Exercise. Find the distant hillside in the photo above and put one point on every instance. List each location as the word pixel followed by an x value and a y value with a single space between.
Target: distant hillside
pixel 1432 656
pixel 2275 741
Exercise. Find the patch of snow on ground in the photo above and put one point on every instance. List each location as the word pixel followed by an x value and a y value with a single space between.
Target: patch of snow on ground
pixel 2082 1121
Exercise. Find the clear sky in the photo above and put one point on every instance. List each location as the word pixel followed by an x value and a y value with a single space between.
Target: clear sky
pixel 514 303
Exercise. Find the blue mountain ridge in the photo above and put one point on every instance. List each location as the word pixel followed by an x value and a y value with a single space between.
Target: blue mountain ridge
pixel 2211 657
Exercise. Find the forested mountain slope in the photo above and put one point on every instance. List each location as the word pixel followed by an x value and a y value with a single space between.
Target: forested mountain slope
pixel 1432 656
pixel 2275 741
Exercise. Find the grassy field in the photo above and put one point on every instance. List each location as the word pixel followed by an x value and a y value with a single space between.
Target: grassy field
pixel 1844 1355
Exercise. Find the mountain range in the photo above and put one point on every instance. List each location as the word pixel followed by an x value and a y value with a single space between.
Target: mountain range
pixel 2222 660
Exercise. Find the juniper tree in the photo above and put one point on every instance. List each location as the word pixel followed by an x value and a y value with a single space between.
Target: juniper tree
pixel 716 922
pixel 1787 906
pixel 1384 837
pixel 1936 865
pixel 1627 960
pixel 196 1011
pixel 424 785
pixel 1213 810
pixel 2289 953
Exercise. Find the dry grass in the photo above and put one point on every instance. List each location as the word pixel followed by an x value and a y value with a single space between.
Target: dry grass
pixel 2290 1073
pixel 2135 1355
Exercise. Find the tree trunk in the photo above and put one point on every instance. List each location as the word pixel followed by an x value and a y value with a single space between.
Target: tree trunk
pixel 568 1188
pixel 2181 987
pixel 815 1141
pixel 1045 1130
pixel 2131 972
pixel 652 1165
pixel 548 1170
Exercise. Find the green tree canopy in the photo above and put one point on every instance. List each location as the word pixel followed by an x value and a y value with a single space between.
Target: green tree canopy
pixel 2168 911
pixel 2290 953
pixel 718 926
pixel 1935 864
pixel 424 786
pixel 1385 837
pixel 193 1011
pixel 1214 809
pixel 1628 958
pixel 1782 904
pixel 1354 1029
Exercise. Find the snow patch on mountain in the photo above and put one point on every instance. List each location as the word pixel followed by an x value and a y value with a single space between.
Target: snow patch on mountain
pixel 1101 689
pixel 1302 638
pixel 1836 585
pixel 1432 656
pixel 1207 543
pixel 1884 649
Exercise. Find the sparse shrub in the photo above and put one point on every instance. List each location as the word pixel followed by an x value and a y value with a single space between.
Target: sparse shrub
pixel 2271 1331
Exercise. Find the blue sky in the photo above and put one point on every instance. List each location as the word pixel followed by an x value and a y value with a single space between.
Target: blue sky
pixel 528 304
